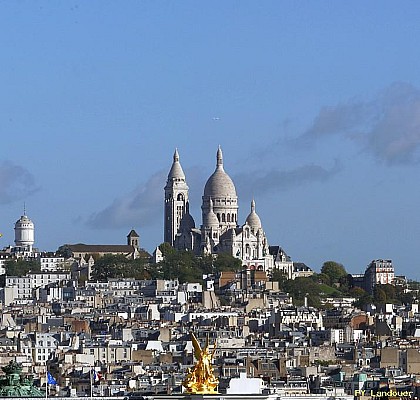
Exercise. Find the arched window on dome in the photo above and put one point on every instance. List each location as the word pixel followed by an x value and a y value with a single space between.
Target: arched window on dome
pixel 228 217
pixel 223 217
pixel 180 197
pixel 218 216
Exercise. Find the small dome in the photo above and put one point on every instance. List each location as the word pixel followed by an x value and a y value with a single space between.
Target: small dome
pixel 210 219
pixel 219 184
pixel 24 220
pixel 253 220
pixel 176 171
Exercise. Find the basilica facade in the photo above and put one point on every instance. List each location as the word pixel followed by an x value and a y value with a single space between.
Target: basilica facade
pixel 220 231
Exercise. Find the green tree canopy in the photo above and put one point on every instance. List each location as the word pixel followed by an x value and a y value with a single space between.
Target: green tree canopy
pixel 205 264
pixel 180 265
pixel 166 249
pixel 118 266
pixel 64 251
pixel 109 266
pixel 303 286
pixel 364 300
pixel 280 277
pixel 379 295
pixel 21 267
pixel 226 262
pixel 335 271
pixel 358 292
pixel 187 267
pixel 324 278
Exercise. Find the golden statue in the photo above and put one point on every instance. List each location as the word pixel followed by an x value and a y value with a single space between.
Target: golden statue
pixel 200 378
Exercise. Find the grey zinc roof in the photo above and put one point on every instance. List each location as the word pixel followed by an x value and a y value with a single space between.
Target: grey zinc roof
pixel 133 233
pixel 100 248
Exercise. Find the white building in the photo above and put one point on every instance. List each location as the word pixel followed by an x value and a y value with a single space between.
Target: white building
pixel 24 242
pixel 19 290
pixel 4 257
pixel 38 347
pixel 282 261
pixel 24 235
pixel 44 346
pixel 219 231
pixel 41 279
pixel 51 262
pixel 379 272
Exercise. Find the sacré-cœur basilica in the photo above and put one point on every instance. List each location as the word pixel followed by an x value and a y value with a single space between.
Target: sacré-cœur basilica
pixel 219 231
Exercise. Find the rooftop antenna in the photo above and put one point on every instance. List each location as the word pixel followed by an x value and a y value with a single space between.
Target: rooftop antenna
pixel 24 208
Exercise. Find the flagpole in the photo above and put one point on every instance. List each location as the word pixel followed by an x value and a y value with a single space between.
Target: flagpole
pixel 91 384
pixel 46 385
pixel 46 381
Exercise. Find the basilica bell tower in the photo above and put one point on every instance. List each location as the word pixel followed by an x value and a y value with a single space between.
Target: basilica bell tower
pixel 176 200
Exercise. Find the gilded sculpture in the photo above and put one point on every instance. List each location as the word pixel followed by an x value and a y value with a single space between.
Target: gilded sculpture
pixel 200 378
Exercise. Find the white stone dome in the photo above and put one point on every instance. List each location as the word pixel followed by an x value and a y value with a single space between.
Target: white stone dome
pixel 24 220
pixel 220 184
pixel 210 218
pixel 176 172
pixel 253 220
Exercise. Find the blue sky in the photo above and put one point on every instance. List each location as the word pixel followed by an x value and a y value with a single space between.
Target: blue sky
pixel 316 106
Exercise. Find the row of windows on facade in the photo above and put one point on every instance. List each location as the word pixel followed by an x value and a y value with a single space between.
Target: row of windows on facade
pixel 181 197
pixel 37 277
pixel 227 218
pixel 41 343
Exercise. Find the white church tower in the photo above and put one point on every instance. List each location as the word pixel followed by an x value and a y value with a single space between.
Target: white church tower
pixel 176 200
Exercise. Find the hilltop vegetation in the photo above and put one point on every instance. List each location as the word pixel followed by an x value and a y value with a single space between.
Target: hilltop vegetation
pixel 21 267
pixel 181 265
pixel 334 281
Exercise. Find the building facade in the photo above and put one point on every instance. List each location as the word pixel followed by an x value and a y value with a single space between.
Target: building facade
pixel 219 231
pixel 378 272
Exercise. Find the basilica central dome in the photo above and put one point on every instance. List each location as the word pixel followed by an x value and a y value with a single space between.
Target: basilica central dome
pixel 220 185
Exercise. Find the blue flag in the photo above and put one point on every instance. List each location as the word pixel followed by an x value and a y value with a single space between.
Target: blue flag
pixel 50 379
